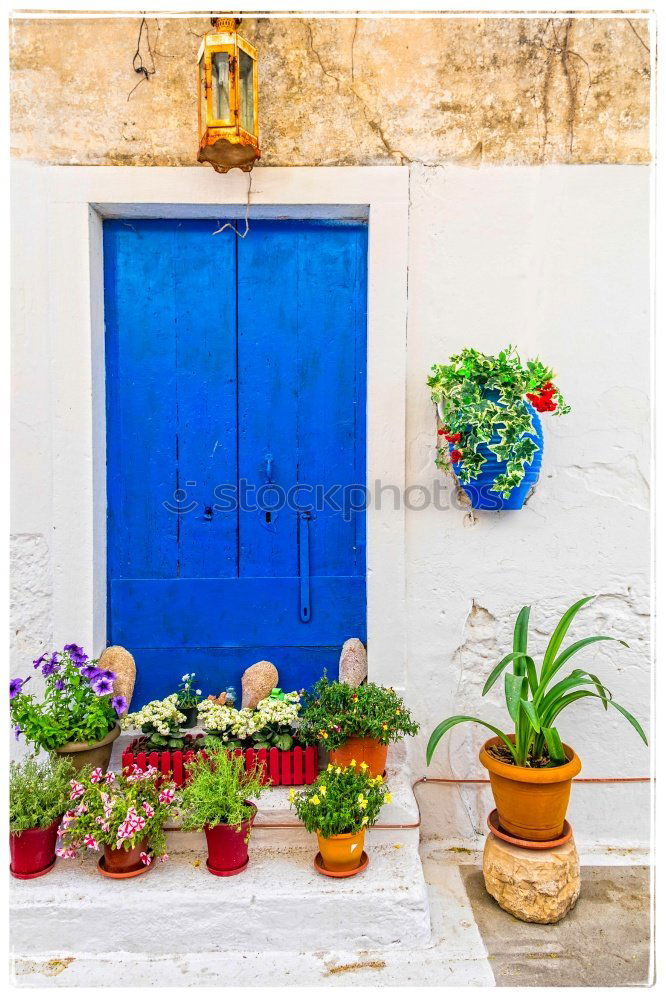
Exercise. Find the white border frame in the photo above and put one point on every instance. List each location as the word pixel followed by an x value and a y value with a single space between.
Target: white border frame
pixel 73 201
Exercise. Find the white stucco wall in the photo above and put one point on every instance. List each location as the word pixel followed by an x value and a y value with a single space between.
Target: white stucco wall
pixel 555 260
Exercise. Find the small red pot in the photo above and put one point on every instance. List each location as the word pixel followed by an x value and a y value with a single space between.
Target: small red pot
pixel 32 851
pixel 227 846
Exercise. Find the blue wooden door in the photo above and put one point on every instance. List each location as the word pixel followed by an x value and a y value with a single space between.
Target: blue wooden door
pixel 235 375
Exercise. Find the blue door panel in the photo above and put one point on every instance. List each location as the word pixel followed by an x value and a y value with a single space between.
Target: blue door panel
pixel 233 362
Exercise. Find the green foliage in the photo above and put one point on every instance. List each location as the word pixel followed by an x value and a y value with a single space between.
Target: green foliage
pixel 534 700
pixel 341 800
pixel 188 696
pixel 333 712
pixel 118 810
pixel 38 792
pixel 71 711
pixel 217 787
pixel 462 390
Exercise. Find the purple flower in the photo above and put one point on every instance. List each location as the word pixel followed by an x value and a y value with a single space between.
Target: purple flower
pixel 90 672
pixel 76 654
pixel 102 686
pixel 36 663
pixel 59 684
pixel 108 675
pixel 17 731
pixel 51 665
pixel 16 686
pixel 119 704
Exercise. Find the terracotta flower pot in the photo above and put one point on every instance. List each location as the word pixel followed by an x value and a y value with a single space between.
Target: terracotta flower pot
pixel 360 749
pixel 121 862
pixel 227 846
pixel 93 754
pixel 341 852
pixel 32 851
pixel 531 801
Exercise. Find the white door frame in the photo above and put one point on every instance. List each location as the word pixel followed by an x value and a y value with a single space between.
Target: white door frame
pixel 72 202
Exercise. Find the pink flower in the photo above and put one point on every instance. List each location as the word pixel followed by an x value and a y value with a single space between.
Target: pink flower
pixel 90 842
pixel 145 858
pixel 166 796
pixel 109 777
pixel 81 809
pixel 77 789
pixel 148 809
pixel 103 823
pixel 97 775
pixel 163 857
pixel 66 852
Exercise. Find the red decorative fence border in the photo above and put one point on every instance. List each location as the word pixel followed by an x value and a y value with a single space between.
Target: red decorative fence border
pixel 298 766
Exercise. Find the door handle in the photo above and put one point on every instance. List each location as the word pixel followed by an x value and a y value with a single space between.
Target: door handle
pixel 304 520
pixel 268 464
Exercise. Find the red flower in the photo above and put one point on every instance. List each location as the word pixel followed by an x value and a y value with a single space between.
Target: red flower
pixel 442 430
pixel 456 455
pixel 453 438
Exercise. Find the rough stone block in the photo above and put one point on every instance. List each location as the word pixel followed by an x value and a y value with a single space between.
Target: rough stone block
pixel 121 662
pixel 539 887
pixel 257 683
pixel 353 668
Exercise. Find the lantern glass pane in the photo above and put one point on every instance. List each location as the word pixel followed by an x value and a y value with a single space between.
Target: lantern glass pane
pixel 220 84
pixel 246 92
pixel 203 111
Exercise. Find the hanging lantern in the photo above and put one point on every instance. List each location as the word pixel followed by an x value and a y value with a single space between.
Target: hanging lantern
pixel 228 98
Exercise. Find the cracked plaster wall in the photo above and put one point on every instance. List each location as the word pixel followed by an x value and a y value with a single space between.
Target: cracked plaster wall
pixel 543 249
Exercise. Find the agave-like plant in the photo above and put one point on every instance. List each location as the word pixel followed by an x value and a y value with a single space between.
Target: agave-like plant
pixel 533 698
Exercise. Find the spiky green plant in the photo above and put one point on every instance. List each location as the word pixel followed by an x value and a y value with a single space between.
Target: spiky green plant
pixel 534 699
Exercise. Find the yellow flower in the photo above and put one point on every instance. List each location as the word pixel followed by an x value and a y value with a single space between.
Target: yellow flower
pixel 322 789
pixel 388 797
pixel 330 767
pixel 323 734
pixel 292 794
pixel 315 800
pixel 364 820
pixel 337 770
pixel 379 780
pixel 397 711
pixel 364 766
pixel 360 797
pixel 352 763
pixel 384 725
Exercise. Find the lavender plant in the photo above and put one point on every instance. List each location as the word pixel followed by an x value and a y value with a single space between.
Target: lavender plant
pixel 78 705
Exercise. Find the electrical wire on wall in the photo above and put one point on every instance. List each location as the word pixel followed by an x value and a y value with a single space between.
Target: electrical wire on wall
pixel 138 64
pixel 230 225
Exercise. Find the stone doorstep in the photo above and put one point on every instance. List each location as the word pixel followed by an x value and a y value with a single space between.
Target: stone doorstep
pixel 277 823
pixel 279 903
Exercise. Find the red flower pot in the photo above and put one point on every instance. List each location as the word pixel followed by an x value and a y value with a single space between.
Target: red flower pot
pixel 227 846
pixel 32 851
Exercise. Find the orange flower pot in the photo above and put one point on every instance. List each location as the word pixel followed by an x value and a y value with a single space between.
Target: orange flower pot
pixel 531 801
pixel 341 852
pixel 360 749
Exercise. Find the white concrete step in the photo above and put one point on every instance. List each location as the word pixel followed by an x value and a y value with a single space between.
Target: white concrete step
pixel 280 903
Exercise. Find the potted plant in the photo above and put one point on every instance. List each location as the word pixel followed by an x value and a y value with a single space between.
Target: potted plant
pixel 531 769
pixel 78 716
pixel 355 722
pixel 161 724
pixel 339 807
pixel 187 700
pixel 488 408
pixel 122 813
pixel 38 797
pixel 217 799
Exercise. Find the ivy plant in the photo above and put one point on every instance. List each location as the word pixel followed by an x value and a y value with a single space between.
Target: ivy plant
pixel 333 712
pixel 341 800
pixel 535 698
pixel 481 397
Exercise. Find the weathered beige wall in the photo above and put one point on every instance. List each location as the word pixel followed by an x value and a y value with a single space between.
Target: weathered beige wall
pixel 344 91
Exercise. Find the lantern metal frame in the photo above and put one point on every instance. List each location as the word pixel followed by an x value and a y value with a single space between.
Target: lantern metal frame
pixel 224 143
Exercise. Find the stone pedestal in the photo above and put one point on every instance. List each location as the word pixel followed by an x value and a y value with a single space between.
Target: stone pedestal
pixel 539 886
